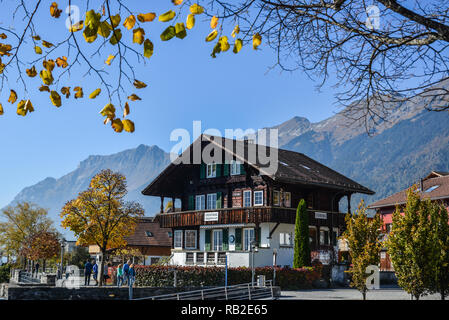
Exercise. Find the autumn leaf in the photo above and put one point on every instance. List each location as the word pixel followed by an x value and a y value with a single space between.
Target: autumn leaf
pixel 62 62
pixel 3 36
pixel 237 45
pixel 190 21
pixel 139 84
pixel 12 97
pixel 130 22
pixel 38 50
pixel 214 22
pixel 196 9
pixel 257 40
pixel 109 59
pixel 90 34
pixel 43 88
pixel 116 36
pixel 77 26
pixel 48 64
pixel 128 125
pixel 54 11
pixel 126 110
pixel 66 91
pixel 108 111
pixel 148 48
pixel 134 97
pixel 23 107
pixel 146 17
pixel 235 31
pixel 116 20
pixel 78 92
pixel 169 15
pixel 104 29
pixel 1 109
pixel 31 72
pixel 47 44
pixel 224 43
pixel 37 38
pixel 168 33
pixel 212 36
pixel 176 2
pixel 46 76
pixel 55 98
pixel 138 35
pixel 95 93
pixel 117 124
pixel 180 30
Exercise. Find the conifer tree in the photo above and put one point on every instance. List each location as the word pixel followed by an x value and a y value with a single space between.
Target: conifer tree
pixel 302 244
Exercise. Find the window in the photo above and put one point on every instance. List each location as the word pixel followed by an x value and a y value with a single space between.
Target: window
pixel 212 201
pixel 285 239
pixel 211 170
pixel 200 202
pixel 170 234
pixel 247 198
pixel 189 258
pixel 200 257
pixel 154 260
pixel 218 240
pixel 235 168
pixel 287 199
pixel 190 239
pixel 258 198
pixel 432 188
pixel 276 198
pixel 248 237
pixel 324 236
pixel 177 241
pixel 149 233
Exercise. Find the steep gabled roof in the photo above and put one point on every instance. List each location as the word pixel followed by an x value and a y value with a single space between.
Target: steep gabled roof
pixel 435 188
pixel 159 236
pixel 293 167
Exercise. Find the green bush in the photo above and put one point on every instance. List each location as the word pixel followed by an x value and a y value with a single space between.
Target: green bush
pixel 162 276
pixel 4 273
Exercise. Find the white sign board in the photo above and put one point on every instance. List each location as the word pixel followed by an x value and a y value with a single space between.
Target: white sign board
pixel 321 215
pixel 211 216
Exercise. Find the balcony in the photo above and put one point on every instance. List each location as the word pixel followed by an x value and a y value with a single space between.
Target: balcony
pixel 246 215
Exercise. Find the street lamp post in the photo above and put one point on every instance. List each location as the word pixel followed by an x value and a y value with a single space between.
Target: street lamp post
pixel 253 249
pixel 62 258
pixel 275 252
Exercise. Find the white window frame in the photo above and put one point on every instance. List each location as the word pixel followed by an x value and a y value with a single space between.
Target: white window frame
pixel 195 239
pixel 276 203
pixel 246 245
pixel 213 171
pixel 220 246
pixel 250 198
pixel 175 235
pixel 289 204
pixel 235 168
pixel 214 203
pixel 285 239
pixel 202 202
pixel 254 201
pixel 323 229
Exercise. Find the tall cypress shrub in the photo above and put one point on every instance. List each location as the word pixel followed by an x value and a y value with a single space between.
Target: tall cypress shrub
pixel 302 246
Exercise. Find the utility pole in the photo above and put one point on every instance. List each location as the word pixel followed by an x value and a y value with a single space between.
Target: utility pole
pixel 62 258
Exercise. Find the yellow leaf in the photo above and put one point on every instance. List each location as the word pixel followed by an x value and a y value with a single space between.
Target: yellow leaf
pixel 54 11
pixel 1 109
pixel 48 64
pixel 224 43
pixel 130 22
pixel 3 36
pixel 31 72
pixel 5 48
pixel 104 29
pixel 77 26
pixel 44 88
pixel 116 20
pixel 108 111
pixel 62 62
pixel 212 36
pixel 126 110
pixel 23 107
pixel 257 40
pixel 90 34
pixel 237 45
pixel 134 97
pixel 190 21
pixel 109 59
pixel 128 125
pixel 139 84
pixel 38 50
pixel 148 48
pixel 116 36
pixel 138 35
pixel 12 97
pixel 176 2
pixel 66 91
pixel 146 17
pixel 214 22
pixel 78 92
pixel 95 93
pixel 46 76
pixel 180 30
pixel 47 44
pixel 169 15
pixel 235 31
pixel 37 38
pixel 168 33
pixel 55 98
pixel 196 9
pixel 117 125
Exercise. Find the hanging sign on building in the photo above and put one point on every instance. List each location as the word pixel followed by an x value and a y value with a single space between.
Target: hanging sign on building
pixel 321 215
pixel 211 216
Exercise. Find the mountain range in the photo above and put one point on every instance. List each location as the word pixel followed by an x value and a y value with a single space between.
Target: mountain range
pixel 403 149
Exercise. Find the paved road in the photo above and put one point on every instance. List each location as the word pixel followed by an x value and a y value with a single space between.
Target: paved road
pixel 389 293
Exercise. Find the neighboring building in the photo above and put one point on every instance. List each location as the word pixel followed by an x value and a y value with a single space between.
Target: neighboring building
pixel 435 186
pixel 69 246
pixel 224 207
pixel 152 241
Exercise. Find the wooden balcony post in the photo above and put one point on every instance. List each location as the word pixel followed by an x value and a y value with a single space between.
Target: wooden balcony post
pixel 162 204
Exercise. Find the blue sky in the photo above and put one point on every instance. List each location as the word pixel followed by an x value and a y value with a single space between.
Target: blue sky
pixel 184 84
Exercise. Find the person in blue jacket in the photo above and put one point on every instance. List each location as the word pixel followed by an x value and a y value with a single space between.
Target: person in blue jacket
pixel 87 272
pixel 95 271
pixel 126 272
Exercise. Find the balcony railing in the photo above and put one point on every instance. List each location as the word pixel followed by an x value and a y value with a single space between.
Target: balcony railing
pixel 245 215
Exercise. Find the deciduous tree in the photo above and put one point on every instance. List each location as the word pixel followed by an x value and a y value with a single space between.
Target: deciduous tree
pixel 43 245
pixel 100 215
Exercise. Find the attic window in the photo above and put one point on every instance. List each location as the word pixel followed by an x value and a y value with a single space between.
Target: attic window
pixel 169 234
pixel 283 163
pixel 432 188
pixel 305 167
pixel 149 233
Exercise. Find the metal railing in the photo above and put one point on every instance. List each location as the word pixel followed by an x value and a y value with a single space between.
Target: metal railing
pixel 245 291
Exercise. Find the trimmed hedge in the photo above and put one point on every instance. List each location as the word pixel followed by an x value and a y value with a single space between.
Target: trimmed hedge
pixel 162 276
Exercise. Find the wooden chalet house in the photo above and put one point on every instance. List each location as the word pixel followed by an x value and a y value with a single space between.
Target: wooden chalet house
pixel 435 186
pixel 226 206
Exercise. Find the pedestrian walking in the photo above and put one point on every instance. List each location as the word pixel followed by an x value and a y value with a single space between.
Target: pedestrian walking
pixel 87 273
pixel 95 272
pixel 131 275
pixel 119 275
pixel 36 268
pixel 126 272
pixel 106 273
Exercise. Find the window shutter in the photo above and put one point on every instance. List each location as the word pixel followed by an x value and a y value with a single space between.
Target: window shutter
pixel 238 239
pixel 219 200
pixel 191 203
pixel 207 239
pixel 242 169
pixel 218 169
pixel 203 171
pixel 226 170
pixel 258 230
pixel 225 240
